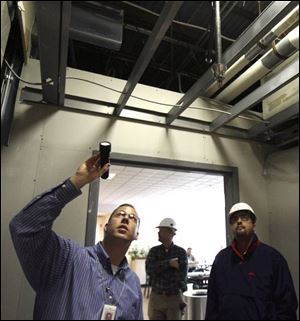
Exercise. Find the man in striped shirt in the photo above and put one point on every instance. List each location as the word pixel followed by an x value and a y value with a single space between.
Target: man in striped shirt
pixel 74 282
pixel 166 266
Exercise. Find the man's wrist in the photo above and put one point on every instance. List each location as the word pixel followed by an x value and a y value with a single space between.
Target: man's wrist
pixel 77 182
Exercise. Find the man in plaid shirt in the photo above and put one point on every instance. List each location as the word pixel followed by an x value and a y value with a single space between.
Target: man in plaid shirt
pixel 166 266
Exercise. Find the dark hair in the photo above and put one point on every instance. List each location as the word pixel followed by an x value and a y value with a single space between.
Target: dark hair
pixel 125 204
pixel 252 217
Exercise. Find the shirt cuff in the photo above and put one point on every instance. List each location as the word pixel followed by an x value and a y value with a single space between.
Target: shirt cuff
pixel 66 192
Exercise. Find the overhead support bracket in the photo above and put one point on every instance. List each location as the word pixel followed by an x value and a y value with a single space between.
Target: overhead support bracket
pixel 275 120
pixel 53 18
pixel 288 74
pixel 275 12
pixel 161 27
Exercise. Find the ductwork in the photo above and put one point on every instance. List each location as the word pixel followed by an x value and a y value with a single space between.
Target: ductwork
pixel 97 24
pixel 260 47
pixel 281 51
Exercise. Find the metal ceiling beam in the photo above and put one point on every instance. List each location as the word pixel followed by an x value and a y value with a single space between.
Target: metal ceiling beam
pixel 80 105
pixel 274 121
pixel 266 21
pixel 288 74
pixel 165 19
pixel 289 141
pixel 53 19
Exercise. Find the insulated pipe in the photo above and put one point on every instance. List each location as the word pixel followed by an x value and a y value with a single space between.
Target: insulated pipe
pixel 280 52
pixel 263 44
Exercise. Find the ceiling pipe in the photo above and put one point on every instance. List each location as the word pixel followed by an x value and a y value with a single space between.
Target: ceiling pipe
pixel 257 49
pixel 218 67
pixel 280 52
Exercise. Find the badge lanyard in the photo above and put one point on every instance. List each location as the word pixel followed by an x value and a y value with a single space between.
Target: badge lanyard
pixel 111 295
pixel 109 310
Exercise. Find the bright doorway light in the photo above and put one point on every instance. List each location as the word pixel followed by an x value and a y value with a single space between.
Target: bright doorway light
pixel 195 200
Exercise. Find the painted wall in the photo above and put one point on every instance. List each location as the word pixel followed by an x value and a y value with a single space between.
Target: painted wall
pixel 47 145
pixel 282 172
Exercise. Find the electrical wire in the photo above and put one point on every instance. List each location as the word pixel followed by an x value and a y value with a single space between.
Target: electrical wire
pixel 170 105
pixel 139 98
pixel 25 81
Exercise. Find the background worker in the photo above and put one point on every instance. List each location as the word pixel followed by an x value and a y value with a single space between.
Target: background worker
pixel 192 263
pixel 166 266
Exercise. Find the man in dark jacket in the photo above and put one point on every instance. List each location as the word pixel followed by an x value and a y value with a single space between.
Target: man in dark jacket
pixel 249 280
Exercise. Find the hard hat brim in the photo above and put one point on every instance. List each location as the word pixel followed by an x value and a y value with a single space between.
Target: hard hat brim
pixel 252 215
pixel 172 228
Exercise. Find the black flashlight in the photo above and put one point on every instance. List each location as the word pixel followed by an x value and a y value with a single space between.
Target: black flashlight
pixel 104 148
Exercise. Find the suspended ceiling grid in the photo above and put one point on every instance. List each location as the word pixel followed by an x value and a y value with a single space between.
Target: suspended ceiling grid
pixel 134 184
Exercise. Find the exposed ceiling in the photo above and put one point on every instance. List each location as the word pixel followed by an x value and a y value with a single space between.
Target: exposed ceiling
pixel 171 45
pixel 184 52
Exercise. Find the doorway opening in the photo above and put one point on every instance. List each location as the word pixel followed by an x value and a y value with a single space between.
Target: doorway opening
pixel 196 195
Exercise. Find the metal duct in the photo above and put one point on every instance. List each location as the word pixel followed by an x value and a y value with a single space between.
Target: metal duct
pixel 281 51
pixel 98 25
pixel 260 47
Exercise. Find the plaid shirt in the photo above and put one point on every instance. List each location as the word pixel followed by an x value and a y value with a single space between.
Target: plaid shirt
pixel 163 278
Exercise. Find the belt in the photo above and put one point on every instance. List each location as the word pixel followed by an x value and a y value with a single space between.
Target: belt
pixel 166 293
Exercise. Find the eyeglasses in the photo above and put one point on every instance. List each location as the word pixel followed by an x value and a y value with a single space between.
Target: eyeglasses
pixel 131 217
pixel 243 216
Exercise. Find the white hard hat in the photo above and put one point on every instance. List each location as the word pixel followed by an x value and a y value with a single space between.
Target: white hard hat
pixel 168 222
pixel 241 207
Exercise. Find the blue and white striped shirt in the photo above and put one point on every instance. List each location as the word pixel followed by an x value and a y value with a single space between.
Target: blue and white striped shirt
pixel 71 282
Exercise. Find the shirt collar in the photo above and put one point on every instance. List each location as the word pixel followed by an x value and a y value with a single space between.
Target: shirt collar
pixel 104 259
pixel 254 244
pixel 165 249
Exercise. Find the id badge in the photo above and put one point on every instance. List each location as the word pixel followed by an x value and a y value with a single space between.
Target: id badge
pixel 108 312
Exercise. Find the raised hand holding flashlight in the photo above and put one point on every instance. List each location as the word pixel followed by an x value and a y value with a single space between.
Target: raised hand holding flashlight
pixel 95 167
